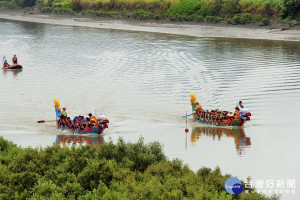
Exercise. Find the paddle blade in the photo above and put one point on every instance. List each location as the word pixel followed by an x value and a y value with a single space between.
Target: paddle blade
pixel 41 121
pixel 184 116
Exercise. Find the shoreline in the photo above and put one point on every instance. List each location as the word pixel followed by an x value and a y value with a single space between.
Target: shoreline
pixel 276 33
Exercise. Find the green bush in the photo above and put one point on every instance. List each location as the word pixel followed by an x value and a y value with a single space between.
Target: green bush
pixel 76 5
pixel 257 18
pixel 185 8
pixel 266 8
pixel 100 13
pixel 107 171
pixel 47 10
pixel 230 8
pixel 175 10
pixel 291 8
pixel 142 15
pixel 244 18
pixel 63 10
pixel 193 10
pixel 5 4
pixel 199 18
pixel 236 19
pixel 205 11
pixel 213 19
pixel 24 3
pixel 265 21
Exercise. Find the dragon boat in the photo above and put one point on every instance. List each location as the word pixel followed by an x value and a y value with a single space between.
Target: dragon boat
pixel 216 117
pixel 98 126
pixel 17 66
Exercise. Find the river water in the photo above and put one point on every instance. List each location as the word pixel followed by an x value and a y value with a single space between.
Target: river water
pixel 142 81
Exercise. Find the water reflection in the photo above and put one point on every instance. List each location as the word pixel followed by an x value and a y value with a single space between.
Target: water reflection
pixel 13 72
pixel 240 138
pixel 69 140
pixel 31 28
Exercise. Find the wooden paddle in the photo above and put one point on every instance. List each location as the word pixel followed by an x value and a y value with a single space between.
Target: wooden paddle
pixel 43 121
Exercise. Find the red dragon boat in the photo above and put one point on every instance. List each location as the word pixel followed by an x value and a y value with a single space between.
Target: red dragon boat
pixel 75 126
pixel 216 117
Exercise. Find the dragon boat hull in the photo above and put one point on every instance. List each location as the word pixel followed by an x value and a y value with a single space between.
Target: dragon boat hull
pixel 215 117
pixel 97 129
pixel 13 67
pixel 88 131
pixel 228 122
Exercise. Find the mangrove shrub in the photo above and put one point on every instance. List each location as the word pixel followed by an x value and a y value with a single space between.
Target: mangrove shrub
pixel 107 171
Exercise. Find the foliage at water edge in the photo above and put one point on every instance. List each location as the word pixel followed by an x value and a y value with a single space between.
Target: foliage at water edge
pixel 107 171
pixel 213 11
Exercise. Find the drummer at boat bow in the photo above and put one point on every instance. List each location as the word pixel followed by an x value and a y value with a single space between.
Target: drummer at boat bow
pixel 64 113
pixel 15 60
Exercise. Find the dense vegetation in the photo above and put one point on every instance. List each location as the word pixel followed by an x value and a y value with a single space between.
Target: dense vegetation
pixel 230 11
pixel 107 171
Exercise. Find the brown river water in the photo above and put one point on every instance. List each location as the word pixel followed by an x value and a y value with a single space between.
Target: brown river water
pixel 142 81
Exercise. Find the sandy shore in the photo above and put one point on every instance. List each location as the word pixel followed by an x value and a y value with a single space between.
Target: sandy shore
pixel 195 30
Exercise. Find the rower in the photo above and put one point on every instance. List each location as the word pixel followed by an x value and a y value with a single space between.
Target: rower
pixel 198 106
pixel 92 118
pixel 15 60
pixel 236 113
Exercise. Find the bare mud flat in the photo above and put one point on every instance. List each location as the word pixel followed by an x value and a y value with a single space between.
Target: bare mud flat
pixel 272 32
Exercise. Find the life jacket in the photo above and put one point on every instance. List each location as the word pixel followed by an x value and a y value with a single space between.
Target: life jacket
pixel 83 125
pixel 64 114
pixel 75 124
pixel 221 116
pixel 15 59
pixel 199 112
pixel 199 107
pixel 69 122
pixel 236 115
pixel 93 119
pixel 206 115
pixel 213 115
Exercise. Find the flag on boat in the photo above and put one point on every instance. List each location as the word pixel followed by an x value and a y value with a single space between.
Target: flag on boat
pixel 3 59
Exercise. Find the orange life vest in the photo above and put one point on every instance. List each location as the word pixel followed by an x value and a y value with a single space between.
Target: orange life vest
pixel 199 107
pixel 236 115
